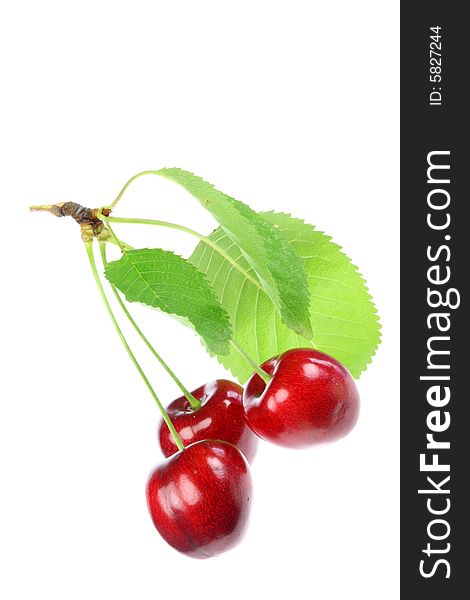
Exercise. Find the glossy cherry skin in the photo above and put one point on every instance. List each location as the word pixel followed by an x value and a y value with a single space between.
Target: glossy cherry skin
pixel 199 498
pixel 311 399
pixel 220 417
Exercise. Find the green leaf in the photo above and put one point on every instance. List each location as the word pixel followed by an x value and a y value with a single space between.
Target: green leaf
pixel 163 280
pixel 278 268
pixel 343 317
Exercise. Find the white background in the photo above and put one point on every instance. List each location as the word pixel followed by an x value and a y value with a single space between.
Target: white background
pixel 285 105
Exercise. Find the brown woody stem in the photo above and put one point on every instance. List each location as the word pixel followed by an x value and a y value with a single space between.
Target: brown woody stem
pixel 87 218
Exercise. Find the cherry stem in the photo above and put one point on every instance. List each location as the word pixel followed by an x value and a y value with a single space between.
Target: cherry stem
pixel 193 401
pixel 166 418
pixel 192 232
pixel 266 377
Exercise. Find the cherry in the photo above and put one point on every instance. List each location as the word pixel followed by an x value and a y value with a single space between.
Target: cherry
pixel 220 417
pixel 311 398
pixel 199 498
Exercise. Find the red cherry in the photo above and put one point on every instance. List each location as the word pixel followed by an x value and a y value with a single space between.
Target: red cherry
pixel 199 498
pixel 310 399
pixel 220 417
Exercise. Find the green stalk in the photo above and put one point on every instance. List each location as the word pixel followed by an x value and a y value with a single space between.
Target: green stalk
pixel 127 184
pixel 192 232
pixel 166 418
pixel 194 402
pixel 264 376
pixel 123 244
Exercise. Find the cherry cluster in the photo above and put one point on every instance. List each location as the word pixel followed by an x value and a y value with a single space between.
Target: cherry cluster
pixel 199 498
